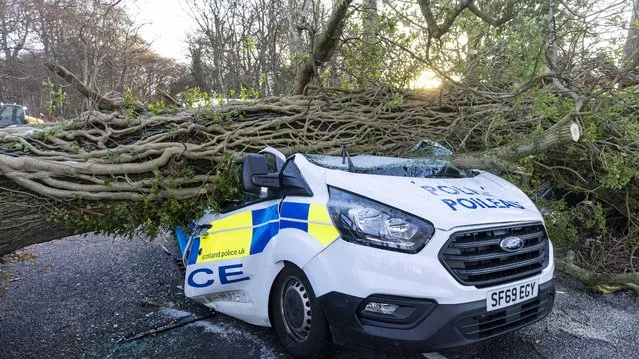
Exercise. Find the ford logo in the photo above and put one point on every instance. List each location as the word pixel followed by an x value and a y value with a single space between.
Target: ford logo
pixel 511 244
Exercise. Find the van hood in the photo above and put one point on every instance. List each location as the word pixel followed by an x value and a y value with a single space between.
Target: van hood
pixel 445 202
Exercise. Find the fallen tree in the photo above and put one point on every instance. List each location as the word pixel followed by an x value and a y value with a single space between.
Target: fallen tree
pixel 133 168
pixel 117 174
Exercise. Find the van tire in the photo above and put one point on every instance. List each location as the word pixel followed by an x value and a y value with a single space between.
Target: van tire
pixel 304 333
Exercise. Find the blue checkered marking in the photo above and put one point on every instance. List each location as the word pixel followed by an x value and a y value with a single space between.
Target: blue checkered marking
pixel 303 226
pixel 295 210
pixel 263 234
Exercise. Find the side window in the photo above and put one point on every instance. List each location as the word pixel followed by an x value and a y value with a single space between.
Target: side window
pixel 268 193
pixel 19 115
pixel 5 116
pixel 271 162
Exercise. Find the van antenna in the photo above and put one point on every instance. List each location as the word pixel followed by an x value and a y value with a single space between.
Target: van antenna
pixel 346 157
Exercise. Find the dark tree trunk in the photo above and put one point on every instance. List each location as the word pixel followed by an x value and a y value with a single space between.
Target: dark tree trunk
pixel 23 219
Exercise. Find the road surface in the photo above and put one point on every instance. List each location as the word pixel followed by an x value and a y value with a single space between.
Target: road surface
pixel 78 297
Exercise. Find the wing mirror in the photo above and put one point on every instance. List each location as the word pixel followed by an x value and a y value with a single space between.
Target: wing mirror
pixel 255 174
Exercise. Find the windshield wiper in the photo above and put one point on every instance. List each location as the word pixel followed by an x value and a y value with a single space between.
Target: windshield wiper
pixel 345 157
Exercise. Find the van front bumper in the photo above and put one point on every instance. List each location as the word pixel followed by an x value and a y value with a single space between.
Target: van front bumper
pixel 423 325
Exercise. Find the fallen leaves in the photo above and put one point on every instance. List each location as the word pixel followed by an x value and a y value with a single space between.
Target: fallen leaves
pixel 20 257
pixel 608 288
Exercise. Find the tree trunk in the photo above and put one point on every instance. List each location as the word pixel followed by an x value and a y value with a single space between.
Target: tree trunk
pixel 322 47
pixel 631 48
pixel 295 24
pixel 23 219
pixel 101 160
pixel 501 157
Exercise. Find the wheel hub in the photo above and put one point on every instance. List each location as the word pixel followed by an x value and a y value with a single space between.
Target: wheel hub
pixel 296 309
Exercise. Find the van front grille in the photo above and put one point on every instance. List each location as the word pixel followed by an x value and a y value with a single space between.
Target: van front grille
pixel 489 324
pixel 477 258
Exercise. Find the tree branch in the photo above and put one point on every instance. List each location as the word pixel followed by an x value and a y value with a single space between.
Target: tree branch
pixel 436 31
pixel 496 22
pixel 103 103
pixel 324 46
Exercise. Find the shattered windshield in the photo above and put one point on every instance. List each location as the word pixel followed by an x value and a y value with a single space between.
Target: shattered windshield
pixel 417 167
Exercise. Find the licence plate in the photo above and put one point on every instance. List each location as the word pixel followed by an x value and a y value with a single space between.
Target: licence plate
pixel 500 298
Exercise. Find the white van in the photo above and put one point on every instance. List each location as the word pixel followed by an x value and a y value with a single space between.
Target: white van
pixel 400 254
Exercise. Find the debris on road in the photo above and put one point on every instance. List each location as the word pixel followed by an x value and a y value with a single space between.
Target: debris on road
pixel 187 319
pixel 155 303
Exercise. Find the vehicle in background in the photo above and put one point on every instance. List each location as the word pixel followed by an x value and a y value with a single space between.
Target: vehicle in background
pixel 16 115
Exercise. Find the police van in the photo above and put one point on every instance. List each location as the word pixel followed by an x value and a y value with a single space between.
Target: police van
pixel 393 254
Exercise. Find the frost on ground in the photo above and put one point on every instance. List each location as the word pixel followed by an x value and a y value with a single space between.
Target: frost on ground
pixel 603 321
pixel 225 331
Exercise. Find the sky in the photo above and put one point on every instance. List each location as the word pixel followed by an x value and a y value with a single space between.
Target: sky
pixel 167 24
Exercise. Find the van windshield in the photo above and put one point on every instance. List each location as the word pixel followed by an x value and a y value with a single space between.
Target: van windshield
pixel 392 166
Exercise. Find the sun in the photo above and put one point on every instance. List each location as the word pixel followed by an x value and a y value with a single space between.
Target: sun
pixel 426 80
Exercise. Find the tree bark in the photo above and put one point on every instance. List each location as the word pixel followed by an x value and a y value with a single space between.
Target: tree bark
pixel 105 159
pixel 24 219
pixel 323 46
pixel 631 48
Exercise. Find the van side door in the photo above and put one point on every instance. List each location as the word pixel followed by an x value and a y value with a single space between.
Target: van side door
pixel 225 257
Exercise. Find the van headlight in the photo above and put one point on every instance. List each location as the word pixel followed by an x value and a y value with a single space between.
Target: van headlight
pixel 364 221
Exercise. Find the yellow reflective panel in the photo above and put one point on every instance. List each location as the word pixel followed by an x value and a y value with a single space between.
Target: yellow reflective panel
pixel 242 219
pixel 324 233
pixel 233 242
pixel 225 245
pixel 318 213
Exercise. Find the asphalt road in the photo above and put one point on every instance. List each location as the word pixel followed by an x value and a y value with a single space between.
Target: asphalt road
pixel 78 297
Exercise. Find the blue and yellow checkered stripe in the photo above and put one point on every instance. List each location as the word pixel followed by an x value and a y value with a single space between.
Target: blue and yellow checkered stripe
pixel 311 218
pixel 247 233
pixel 236 236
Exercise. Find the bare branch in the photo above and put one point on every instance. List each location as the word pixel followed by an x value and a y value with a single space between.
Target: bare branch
pixel 103 103
pixel 324 46
pixel 496 22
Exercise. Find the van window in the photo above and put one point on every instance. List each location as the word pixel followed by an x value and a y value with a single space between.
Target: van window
pixel 11 115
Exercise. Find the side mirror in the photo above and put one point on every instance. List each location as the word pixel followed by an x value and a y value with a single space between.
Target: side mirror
pixel 255 174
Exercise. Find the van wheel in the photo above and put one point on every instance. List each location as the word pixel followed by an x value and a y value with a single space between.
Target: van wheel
pixel 298 320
